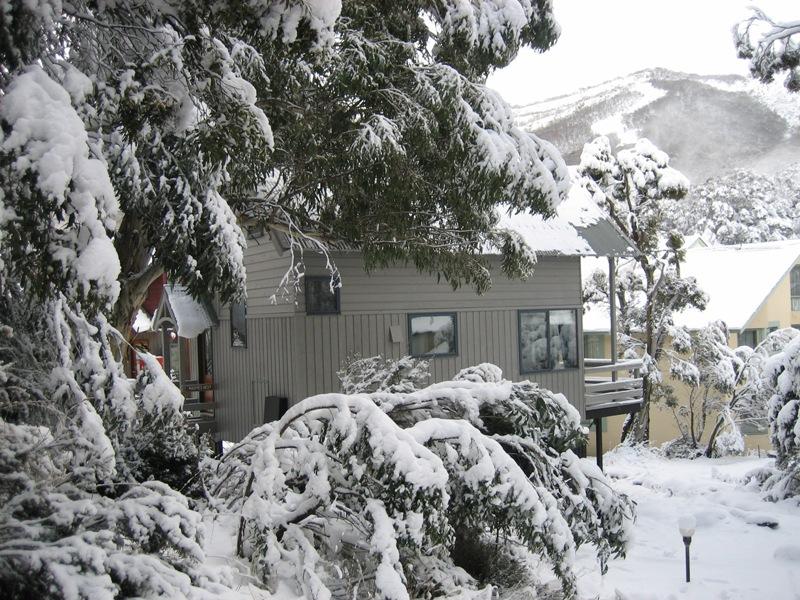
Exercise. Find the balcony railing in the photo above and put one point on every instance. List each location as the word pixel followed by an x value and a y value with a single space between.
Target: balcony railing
pixel 612 388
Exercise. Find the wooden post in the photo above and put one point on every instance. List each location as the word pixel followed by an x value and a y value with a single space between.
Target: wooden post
pixel 598 438
pixel 612 309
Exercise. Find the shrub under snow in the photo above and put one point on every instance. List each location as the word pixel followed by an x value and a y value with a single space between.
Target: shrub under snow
pixel 384 494
pixel 782 376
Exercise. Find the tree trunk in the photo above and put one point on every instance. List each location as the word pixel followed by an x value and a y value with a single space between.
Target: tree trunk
pixel 139 270
pixel 714 432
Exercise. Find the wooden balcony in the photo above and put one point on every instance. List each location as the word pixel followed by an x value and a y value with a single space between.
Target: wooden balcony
pixel 612 388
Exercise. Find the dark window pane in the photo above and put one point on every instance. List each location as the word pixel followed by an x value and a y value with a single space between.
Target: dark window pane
pixel 533 341
pixel 320 300
pixel 432 334
pixel 795 281
pixel 748 337
pixel 239 325
pixel 563 340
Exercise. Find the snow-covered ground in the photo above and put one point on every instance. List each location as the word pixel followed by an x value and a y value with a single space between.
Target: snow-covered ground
pixel 733 557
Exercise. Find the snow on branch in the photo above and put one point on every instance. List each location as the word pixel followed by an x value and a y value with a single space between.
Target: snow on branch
pixel 771 47
pixel 48 146
pixel 377 492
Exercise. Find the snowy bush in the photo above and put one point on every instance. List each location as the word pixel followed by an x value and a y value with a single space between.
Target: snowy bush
pixel 750 395
pixel 77 517
pixel 383 494
pixel 378 374
pixel 781 380
pixel 58 540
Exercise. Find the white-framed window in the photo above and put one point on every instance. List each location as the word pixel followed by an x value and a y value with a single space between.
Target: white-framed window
pixel 548 339
pixel 433 334
pixel 795 284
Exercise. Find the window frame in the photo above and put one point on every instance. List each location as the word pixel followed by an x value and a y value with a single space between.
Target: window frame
pixel 243 304
pixel 547 311
pixel 794 294
pixel 594 337
pixel 452 314
pixel 337 296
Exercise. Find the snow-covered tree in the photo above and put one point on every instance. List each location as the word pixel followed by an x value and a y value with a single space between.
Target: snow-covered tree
pixel 771 47
pixel 81 514
pixel 154 127
pixel 741 207
pixel 390 494
pixel 782 380
pixel 637 187
pixel 709 369
pixel 748 401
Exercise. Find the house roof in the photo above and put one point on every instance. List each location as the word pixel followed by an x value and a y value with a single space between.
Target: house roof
pixel 737 279
pixel 191 316
pixel 579 228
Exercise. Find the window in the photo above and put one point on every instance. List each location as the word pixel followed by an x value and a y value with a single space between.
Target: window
pixel 749 337
pixel 594 345
pixel 239 324
pixel 536 327
pixel 795 280
pixel 320 299
pixel 433 334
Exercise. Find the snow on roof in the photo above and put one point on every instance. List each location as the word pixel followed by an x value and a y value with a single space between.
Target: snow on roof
pixel 737 279
pixel 191 317
pixel 579 228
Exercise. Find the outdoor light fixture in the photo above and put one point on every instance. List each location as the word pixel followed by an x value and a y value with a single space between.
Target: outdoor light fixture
pixel 686 526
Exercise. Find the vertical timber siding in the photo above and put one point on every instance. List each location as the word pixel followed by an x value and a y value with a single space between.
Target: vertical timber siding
pixel 483 336
pixel 245 376
pixel 296 355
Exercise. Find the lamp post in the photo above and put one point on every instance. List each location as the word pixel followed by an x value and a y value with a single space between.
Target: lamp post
pixel 686 525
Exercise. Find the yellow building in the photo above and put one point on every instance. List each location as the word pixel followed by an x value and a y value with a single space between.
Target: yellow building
pixel 753 288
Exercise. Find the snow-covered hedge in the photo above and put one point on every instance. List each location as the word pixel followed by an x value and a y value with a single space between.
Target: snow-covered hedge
pixel 372 494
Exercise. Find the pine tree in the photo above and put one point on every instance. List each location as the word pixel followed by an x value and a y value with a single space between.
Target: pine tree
pixel 636 187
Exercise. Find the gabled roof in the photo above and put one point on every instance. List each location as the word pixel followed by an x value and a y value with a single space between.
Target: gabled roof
pixel 737 279
pixel 579 228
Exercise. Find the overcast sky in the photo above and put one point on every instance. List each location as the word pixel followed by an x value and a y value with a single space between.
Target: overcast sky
pixel 602 39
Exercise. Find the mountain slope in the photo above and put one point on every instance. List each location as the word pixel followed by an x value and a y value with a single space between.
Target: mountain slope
pixel 708 125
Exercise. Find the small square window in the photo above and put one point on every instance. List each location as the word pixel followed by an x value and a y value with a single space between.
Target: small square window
pixel 433 334
pixel 320 299
pixel 239 324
